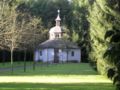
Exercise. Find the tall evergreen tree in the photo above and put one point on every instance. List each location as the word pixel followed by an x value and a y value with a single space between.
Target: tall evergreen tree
pixel 98 27
pixel 104 21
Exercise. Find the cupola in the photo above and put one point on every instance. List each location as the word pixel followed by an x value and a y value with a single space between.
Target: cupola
pixel 56 32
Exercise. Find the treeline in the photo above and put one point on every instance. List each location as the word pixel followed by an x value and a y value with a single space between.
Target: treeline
pixel 17 57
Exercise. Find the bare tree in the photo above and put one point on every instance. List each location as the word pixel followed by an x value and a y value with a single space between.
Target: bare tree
pixel 12 33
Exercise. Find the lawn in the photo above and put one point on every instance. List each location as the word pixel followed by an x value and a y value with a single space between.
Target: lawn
pixel 55 77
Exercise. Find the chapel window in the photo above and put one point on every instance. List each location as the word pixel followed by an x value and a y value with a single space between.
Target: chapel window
pixel 72 53
pixel 57 35
pixel 40 53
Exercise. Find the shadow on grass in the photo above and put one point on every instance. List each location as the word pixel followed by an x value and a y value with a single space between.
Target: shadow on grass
pixel 36 86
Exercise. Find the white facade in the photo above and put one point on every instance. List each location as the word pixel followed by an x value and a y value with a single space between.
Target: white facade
pixel 47 55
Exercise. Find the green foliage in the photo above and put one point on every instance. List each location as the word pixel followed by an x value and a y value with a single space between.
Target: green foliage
pixel 75 37
pixel 113 54
pixel 66 34
pixel 99 25
pixel 113 51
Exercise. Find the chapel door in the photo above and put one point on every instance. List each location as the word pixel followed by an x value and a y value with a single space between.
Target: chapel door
pixel 56 55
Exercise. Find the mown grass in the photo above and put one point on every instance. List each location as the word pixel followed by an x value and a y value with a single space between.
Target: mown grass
pixel 71 76
pixel 52 69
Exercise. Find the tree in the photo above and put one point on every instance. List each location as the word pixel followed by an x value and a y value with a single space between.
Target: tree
pixel 104 34
pixel 8 26
pixel 2 26
pixel 98 27
pixel 113 38
pixel 113 54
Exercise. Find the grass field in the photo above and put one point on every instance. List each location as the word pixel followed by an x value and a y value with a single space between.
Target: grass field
pixel 55 77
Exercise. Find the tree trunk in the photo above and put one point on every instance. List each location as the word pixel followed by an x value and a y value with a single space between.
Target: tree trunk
pixel 67 55
pixel 25 60
pixel 12 61
pixel 18 57
pixel 31 56
pixel 33 61
pixel 3 57
pixel 47 58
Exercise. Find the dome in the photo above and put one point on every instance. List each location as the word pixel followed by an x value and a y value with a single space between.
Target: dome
pixel 56 29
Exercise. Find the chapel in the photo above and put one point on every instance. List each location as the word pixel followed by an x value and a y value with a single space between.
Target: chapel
pixel 56 49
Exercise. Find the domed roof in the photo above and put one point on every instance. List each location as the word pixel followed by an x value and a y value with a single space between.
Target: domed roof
pixel 56 29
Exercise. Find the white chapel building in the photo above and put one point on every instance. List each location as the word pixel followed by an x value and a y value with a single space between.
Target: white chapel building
pixel 56 49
